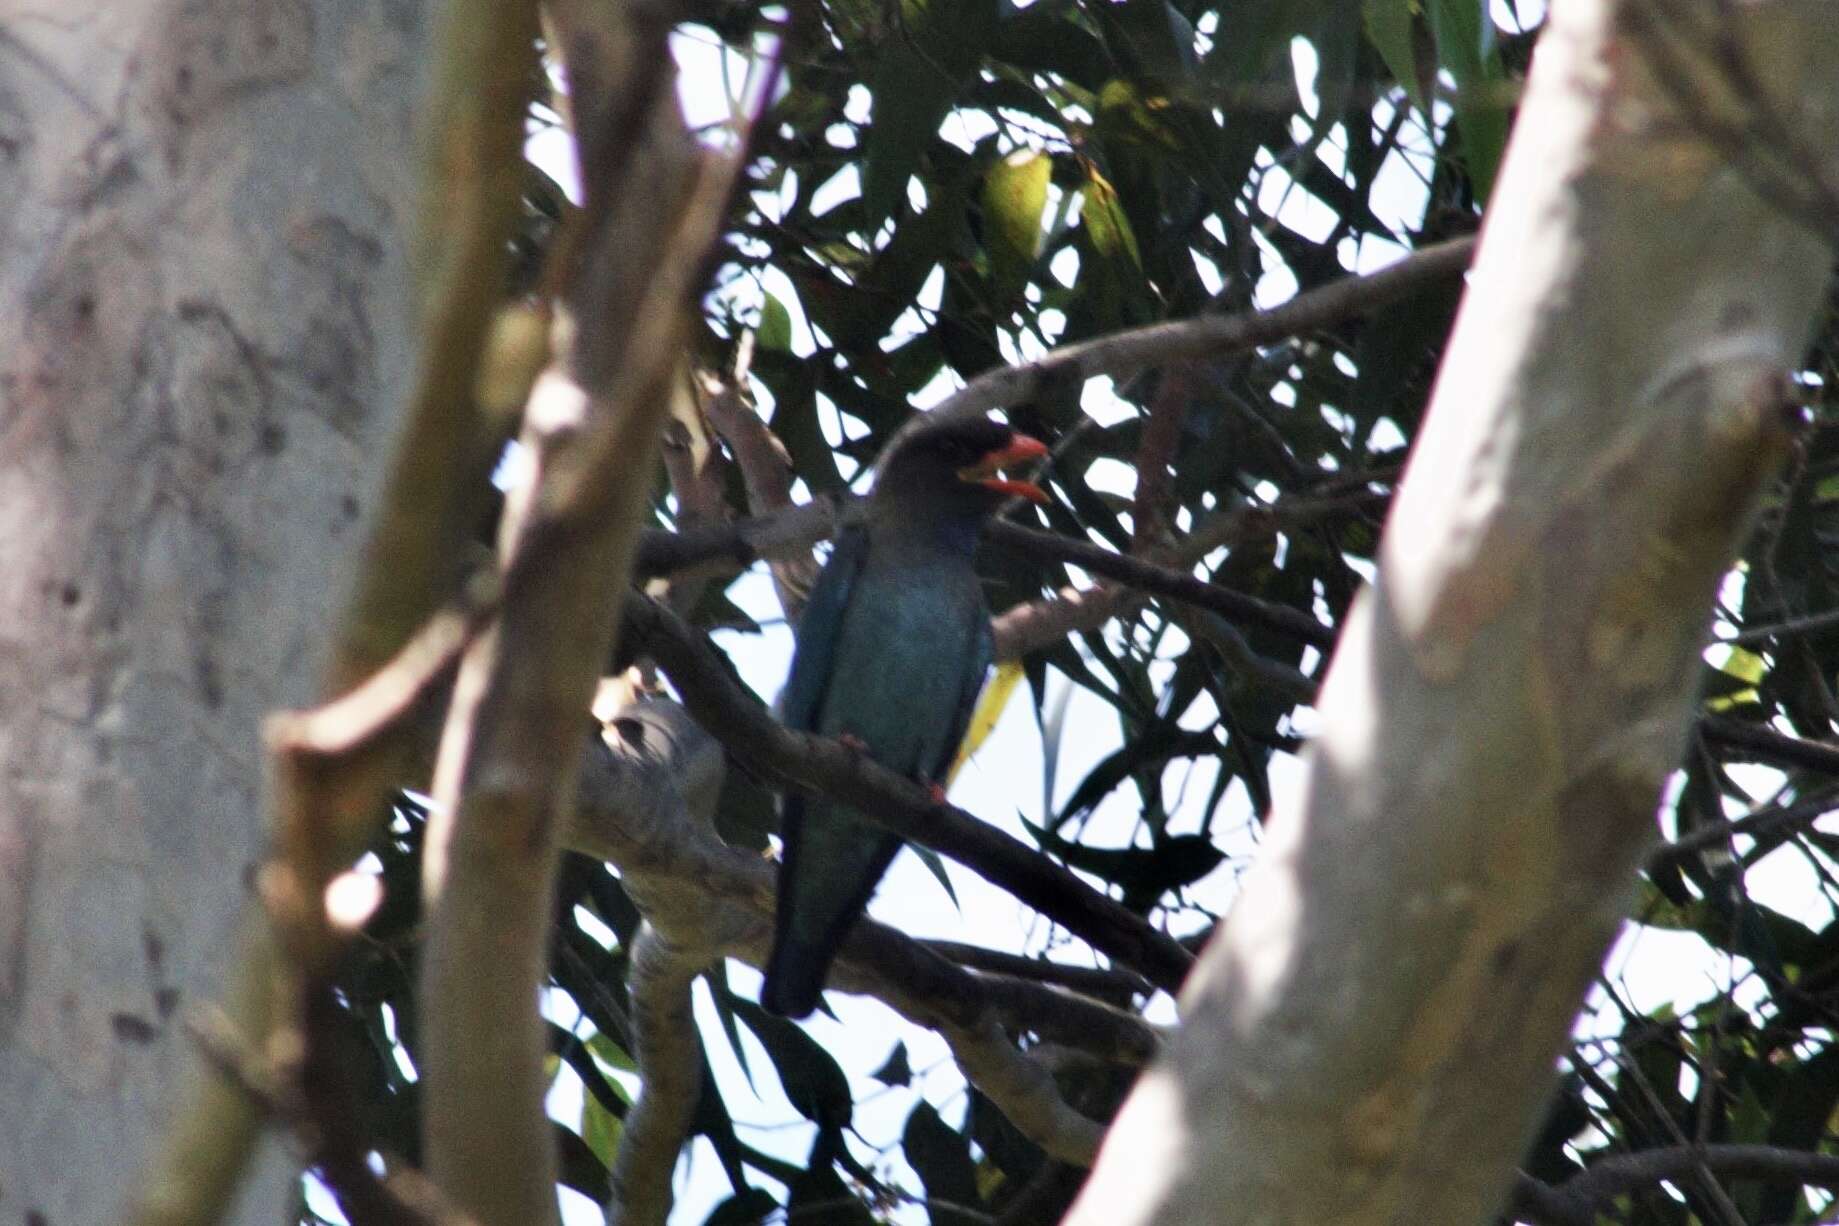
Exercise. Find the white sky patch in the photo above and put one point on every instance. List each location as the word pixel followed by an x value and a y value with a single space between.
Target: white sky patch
pixel 1295 206
pixel 705 64
pixel 840 188
pixel 1277 284
pixel 859 105
pixel 1101 403
pixel 1305 63
pixel 1386 435
pixel 1209 273
pixel 1111 476
pixel 1401 191
pixel 553 149
pixel 1517 16
pixel 1332 152
pixel 964 128
pixel 804 342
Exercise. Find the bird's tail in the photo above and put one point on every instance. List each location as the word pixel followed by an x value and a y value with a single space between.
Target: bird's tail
pixel 795 977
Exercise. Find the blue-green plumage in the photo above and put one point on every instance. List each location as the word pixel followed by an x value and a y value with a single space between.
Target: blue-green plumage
pixel 892 651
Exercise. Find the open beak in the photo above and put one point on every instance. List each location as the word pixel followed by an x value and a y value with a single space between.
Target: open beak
pixel 1021 450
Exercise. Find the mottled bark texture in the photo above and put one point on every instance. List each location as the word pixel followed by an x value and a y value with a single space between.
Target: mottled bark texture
pixel 203 329
pixel 1372 1035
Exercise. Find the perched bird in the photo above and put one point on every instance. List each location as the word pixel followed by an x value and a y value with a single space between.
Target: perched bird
pixel 892 651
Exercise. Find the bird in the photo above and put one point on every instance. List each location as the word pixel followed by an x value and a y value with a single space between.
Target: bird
pixel 890 656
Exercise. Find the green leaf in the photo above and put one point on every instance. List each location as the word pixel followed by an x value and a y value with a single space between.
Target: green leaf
pixel 926 60
pixel 1144 873
pixel 1465 45
pixel 1254 32
pixel 609 1054
pixel 1014 198
pixel 1744 664
pixel 580 1168
pixel 813 1081
pixel 724 999
pixel 895 1071
pixel 1039 39
pixel 821 1198
pixel 743 1209
pixel 1388 28
pixel 1151 39
pixel 936 867
pixel 601 1130
pixel 775 330
pixel 1107 229
pixel 942 1157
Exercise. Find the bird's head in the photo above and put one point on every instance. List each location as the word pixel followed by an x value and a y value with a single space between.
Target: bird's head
pixel 950 471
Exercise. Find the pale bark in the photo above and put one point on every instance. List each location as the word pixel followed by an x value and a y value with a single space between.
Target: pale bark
pixel 505 777
pixel 1372 1035
pixel 201 298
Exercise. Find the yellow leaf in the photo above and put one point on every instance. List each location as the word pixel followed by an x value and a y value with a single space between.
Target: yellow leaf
pixel 990 706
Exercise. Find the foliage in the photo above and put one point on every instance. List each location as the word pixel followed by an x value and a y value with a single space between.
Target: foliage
pixel 947 185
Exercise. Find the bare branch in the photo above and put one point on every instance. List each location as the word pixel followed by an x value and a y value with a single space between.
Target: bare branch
pixel 1582 479
pixel 703 895
pixel 1767 745
pixel 767 470
pixel 890 800
pixel 664 1044
pixel 1122 354
pixel 1577 1200
pixel 1163 581
pixel 1094 981
pixel 507 773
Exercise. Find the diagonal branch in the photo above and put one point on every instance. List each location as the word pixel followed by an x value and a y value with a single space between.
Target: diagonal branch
pixel 503 790
pixel 1578 1200
pixel 664 1046
pixel 1157 580
pixel 644 805
pixel 1121 354
pixel 736 718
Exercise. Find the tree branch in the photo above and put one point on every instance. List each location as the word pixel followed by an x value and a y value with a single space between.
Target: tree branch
pixel 1093 981
pixel 735 717
pixel 766 469
pixel 1163 581
pixel 502 786
pixel 664 1045
pixel 644 806
pixel 1122 354
pixel 1375 1022
pixel 1767 745
pixel 1577 1200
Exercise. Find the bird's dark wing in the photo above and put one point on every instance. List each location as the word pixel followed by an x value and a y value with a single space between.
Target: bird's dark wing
pixel 802 703
pixel 795 974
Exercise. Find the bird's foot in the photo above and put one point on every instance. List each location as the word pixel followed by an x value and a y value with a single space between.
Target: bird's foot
pixel 852 742
pixel 936 792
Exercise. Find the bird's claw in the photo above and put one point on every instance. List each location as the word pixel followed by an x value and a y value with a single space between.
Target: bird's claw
pixel 852 742
pixel 936 792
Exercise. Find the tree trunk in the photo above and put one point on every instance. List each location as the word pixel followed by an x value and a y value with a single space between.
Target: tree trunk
pixel 204 300
pixel 1372 1035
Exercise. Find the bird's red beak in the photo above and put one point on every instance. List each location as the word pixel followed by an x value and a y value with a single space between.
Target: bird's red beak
pixel 1021 450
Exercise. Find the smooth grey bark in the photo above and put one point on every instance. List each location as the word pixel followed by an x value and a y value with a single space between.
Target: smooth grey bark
pixel 204 309
pixel 1372 1035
